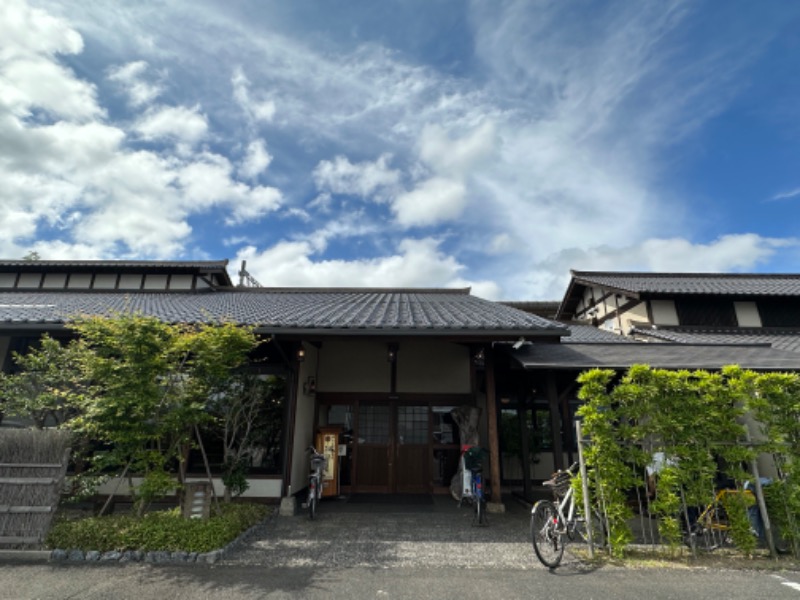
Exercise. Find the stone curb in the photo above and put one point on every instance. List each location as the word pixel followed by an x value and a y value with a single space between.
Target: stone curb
pixel 113 556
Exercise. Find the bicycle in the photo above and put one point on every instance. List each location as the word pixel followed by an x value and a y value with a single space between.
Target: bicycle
pixel 712 528
pixel 318 463
pixel 472 458
pixel 556 522
pixel 478 498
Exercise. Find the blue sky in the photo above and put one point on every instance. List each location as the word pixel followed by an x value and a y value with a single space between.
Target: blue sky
pixel 412 143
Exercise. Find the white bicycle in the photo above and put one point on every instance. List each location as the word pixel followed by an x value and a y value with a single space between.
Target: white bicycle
pixel 318 462
pixel 556 522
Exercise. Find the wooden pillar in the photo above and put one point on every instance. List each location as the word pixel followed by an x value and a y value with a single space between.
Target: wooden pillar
pixel 569 434
pixel 491 410
pixel 524 432
pixel 555 421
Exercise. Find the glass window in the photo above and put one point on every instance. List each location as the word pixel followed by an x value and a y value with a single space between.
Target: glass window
pixel 373 424
pixel 262 399
pixel 412 424
pixel 445 430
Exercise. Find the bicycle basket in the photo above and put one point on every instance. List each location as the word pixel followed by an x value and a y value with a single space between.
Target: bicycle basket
pixel 560 482
pixel 318 462
pixel 473 458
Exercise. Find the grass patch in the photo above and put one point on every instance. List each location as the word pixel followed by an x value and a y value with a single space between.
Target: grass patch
pixel 158 531
pixel 683 559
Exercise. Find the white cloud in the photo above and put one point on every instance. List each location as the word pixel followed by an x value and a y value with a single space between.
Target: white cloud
pixel 455 157
pixel 501 244
pixel 369 180
pixel 321 203
pixel 556 149
pixel 71 186
pixel 787 194
pixel 30 78
pixel 130 76
pixel 177 123
pixel 257 110
pixel 432 202
pixel 258 202
pixel 207 182
pixel 256 160
pixel 417 263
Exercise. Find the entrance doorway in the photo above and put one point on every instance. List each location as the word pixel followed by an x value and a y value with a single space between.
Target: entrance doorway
pixel 392 448
pixel 395 447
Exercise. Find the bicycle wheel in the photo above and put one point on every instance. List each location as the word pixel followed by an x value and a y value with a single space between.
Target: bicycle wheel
pixel 548 543
pixel 704 539
pixel 312 501
pixel 479 517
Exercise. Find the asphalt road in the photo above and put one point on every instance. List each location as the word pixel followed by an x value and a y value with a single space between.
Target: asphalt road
pixel 385 551
pixel 144 582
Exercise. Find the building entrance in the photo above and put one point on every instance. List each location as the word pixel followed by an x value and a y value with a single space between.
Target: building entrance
pixel 394 447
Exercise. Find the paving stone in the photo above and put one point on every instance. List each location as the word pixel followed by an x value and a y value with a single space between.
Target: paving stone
pixel 76 555
pixel 58 554
pixel 110 556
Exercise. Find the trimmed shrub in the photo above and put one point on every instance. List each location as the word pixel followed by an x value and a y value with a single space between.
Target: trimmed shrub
pixel 157 531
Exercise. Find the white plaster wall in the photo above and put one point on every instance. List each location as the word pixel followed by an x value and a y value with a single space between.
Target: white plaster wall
pixel 259 488
pixel 433 367
pixel 664 312
pixel 636 313
pixel 304 422
pixel 747 314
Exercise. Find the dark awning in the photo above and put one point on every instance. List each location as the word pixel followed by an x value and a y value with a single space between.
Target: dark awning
pixel 666 356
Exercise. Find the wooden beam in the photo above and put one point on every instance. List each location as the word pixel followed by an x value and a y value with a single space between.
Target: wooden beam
pixel 28 480
pixel 14 539
pixel 32 465
pixel 5 509
pixel 491 410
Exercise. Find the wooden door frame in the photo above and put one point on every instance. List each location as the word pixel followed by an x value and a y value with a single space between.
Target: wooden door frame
pixel 356 400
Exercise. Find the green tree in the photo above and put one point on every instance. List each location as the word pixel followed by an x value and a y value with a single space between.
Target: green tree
pixel 149 385
pixel 47 385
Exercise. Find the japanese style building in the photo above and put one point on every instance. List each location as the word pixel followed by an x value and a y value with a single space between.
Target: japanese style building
pixel 384 368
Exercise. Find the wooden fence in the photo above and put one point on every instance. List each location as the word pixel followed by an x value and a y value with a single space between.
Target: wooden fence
pixel 32 469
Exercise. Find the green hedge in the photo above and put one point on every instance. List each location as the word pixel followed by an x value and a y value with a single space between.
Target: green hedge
pixel 158 531
pixel 695 420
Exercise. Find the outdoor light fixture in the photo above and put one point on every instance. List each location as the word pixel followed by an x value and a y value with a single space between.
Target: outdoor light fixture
pixel 310 386
pixel 301 354
pixel 518 344
pixel 391 355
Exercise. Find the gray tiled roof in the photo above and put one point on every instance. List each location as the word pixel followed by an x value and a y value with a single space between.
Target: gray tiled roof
pixel 588 334
pixel 665 356
pixel 322 311
pixel 40 265
pixel 694 283
pixel 782 339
